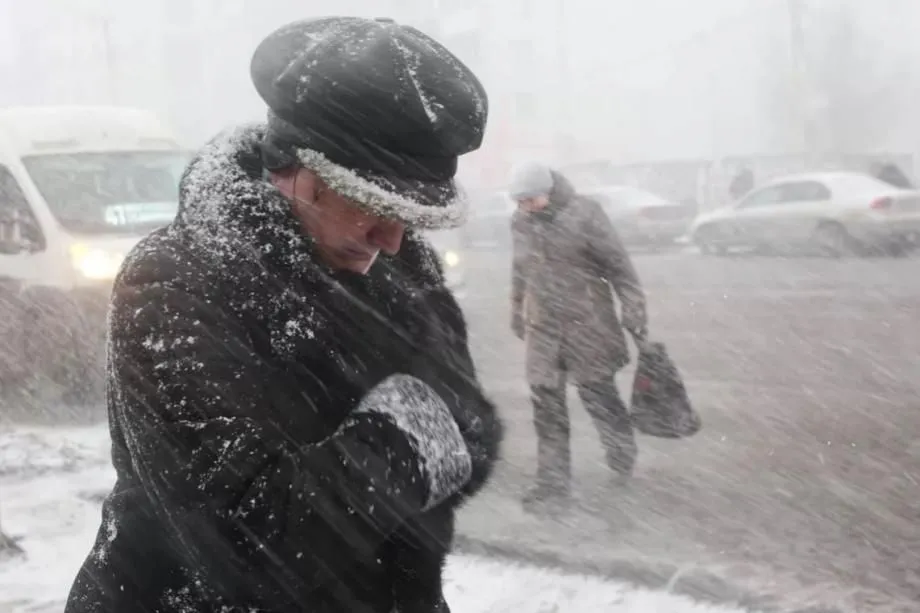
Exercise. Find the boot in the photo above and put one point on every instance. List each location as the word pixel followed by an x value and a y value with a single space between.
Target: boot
pixel 611 419
pixel 551 420
pixel 543 500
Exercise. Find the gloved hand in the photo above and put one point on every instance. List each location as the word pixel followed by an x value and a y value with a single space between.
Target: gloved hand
pixel 517 325
pixel 635 321
pixel 423 417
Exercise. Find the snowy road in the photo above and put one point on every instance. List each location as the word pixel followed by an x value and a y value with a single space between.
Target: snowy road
pixel 804 482
pixel 50 483
pixel 802 488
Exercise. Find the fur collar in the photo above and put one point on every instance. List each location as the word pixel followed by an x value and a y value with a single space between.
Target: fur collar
pixel 237 219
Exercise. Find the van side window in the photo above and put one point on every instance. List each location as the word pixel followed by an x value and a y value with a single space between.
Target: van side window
pixel 17 222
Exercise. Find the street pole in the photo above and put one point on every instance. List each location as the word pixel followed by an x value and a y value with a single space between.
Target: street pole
pixel 563 119
pixel 803 92
pixel 101 16
pixel 109 59
pixel 105 18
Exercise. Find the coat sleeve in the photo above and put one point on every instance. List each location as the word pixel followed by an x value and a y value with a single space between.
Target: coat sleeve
pixel 612 262
pixel 242 496
pixel 519 257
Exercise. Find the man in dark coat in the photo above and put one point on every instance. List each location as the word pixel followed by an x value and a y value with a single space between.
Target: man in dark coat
pixel 294 411
pixel 568 262
pixel 891 174
pixel 742 184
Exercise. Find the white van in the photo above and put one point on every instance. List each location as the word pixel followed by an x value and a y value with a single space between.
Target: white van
pixel 79 187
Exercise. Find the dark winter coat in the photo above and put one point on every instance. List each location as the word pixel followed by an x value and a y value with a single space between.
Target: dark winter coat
pixel 741 184
pixel 247 478
pixel 567 262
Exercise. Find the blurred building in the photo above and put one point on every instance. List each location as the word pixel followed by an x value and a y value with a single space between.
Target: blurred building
pixel 568 80
pixel 510 47
pixel 51 52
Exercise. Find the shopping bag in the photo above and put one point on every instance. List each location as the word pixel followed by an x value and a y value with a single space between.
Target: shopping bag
pixel 660 405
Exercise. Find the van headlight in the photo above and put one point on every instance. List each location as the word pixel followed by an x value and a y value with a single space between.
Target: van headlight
pixel 95 264
pixel 451 258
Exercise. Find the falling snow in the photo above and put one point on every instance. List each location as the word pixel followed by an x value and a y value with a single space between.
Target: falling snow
pixel 792 316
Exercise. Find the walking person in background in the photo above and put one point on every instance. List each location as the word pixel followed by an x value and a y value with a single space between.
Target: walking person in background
pixel 567 264
pixel 742 184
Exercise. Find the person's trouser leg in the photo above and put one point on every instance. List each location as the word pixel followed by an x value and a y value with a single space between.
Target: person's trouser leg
pixel 601 400
pixel 551 420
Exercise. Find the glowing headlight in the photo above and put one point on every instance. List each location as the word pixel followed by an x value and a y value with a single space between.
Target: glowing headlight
pixel 451 258
pixel 95 264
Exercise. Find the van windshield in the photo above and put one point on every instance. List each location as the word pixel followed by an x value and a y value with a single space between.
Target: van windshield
pixel 121 193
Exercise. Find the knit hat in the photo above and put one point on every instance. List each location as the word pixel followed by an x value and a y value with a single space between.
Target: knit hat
pixel 529 180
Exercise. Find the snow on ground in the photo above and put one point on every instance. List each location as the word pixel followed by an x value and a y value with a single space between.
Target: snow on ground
pixel 50 487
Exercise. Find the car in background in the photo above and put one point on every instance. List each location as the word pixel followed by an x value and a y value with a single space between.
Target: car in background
pixel 79 187
pixel 641 217
pixel 834 213
pixel 489 223
pixel 450 247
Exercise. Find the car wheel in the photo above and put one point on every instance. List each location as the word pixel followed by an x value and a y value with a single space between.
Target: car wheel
pixel 710 249
pixel 897 250
pixel 832 239
pixel 15 331
pixel 704 239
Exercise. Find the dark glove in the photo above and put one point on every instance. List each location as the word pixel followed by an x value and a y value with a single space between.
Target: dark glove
pixel 426 421
pixel 517 325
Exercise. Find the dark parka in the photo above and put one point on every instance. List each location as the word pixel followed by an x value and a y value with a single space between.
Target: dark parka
pixel 246 482
pixel 567 263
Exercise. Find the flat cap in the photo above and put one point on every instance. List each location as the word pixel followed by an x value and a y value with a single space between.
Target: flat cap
pixel 380 111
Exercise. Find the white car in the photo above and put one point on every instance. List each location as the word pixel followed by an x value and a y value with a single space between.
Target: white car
pixel 836 213
pixel 641 217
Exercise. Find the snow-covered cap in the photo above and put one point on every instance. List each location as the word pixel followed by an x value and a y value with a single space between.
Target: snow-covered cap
pixel 378 110
pixel 530 179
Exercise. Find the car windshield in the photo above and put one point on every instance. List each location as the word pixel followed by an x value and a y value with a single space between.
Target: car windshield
pixel 112 192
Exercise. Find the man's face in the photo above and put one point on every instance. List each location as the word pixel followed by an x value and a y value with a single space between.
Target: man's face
pixel 346 236
pixel 533 204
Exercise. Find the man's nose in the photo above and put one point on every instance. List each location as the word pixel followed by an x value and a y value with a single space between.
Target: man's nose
pixel 387 235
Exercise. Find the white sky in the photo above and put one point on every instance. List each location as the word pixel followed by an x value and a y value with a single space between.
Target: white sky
pixel 647 79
